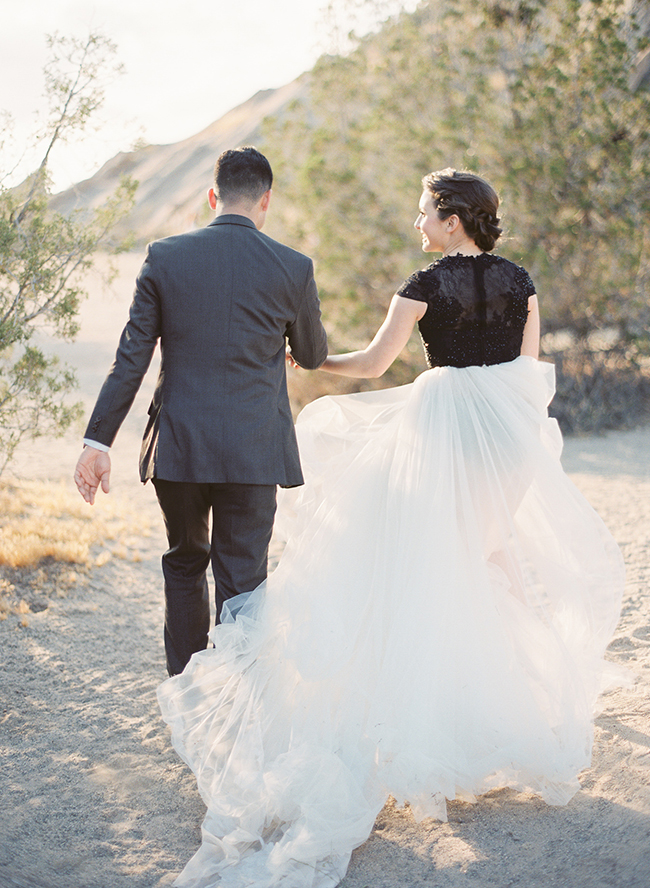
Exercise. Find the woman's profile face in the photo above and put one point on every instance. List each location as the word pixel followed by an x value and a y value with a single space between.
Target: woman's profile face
pixel 431 227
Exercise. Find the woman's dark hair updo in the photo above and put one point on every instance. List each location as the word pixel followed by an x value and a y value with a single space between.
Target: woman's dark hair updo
pixel 472 199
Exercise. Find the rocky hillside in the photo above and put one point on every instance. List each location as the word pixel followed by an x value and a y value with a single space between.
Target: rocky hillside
pixel 174 179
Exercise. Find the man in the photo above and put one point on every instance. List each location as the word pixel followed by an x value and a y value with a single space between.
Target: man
pixel 223 300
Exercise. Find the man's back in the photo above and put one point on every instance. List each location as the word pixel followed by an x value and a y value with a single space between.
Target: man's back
pixel 221 299
pixel 228 297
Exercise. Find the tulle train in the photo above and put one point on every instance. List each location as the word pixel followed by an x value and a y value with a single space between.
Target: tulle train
pixel 435 628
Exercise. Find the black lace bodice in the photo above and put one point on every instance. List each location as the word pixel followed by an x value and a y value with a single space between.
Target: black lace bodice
pixel 477 309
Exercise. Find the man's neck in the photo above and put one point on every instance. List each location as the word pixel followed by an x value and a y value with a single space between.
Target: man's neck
pixel 245 210
pixel 255 212
pixel 235 210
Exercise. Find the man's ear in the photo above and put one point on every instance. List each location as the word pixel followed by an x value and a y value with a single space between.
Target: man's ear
pixel 212 199
pixel 266 200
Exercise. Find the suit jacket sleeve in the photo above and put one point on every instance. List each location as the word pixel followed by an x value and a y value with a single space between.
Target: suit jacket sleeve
pixel 306 335
pixel 134 354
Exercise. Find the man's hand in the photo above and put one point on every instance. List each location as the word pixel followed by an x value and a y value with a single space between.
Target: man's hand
pixel 93 468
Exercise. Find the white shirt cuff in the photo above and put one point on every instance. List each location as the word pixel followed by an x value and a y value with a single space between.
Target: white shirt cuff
pixel 90 443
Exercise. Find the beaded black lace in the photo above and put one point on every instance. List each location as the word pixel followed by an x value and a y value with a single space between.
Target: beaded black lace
pixel 477 309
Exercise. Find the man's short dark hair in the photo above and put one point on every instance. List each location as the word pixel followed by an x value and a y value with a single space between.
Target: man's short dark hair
pixel 242 174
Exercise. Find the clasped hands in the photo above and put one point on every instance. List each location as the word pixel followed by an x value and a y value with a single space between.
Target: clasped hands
pixel 291 361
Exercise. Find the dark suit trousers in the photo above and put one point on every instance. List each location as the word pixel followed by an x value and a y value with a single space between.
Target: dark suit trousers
pixel 237 546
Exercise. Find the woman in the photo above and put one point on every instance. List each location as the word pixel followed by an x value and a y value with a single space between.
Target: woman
pixel 437 622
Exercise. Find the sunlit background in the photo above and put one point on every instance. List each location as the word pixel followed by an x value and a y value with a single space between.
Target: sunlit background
pixel 185 64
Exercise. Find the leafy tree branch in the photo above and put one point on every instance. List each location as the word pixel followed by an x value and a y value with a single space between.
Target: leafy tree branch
pixel 43 254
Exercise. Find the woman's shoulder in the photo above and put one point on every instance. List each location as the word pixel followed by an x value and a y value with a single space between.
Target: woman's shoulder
pixel 511 270
pixel 508 263
pixel 430 272
pixel 444 271
pixel 421 283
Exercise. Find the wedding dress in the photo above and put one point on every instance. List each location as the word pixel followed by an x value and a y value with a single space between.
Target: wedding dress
pixel 437 622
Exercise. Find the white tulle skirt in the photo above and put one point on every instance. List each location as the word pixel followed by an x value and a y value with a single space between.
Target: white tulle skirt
pixel 435 629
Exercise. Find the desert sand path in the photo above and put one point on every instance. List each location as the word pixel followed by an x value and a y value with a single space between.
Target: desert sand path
pixel 94 797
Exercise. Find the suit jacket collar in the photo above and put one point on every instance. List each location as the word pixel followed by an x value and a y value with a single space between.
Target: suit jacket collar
pixel 233 219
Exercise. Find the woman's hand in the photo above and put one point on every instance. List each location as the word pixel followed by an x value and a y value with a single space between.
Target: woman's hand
pixel 291 361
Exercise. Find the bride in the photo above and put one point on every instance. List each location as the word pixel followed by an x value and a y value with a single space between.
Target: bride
pixel 437 622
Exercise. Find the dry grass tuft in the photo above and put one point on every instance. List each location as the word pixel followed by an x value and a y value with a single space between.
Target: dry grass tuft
pixel 41 520
pixel 45 528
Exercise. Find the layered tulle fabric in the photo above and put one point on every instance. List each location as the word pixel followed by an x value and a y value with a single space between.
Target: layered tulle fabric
pixel 435 628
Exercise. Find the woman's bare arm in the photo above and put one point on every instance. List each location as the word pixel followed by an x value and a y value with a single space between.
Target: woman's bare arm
pixel 530 342
pixel 388 342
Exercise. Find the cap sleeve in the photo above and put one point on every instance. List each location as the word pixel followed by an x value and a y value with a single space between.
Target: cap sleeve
pixel 417 286
pixel 524 282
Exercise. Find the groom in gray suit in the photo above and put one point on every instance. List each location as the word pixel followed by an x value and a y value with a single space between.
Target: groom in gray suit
pixel 224 301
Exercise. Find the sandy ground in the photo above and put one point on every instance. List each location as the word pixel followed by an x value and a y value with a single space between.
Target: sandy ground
pixel 93 796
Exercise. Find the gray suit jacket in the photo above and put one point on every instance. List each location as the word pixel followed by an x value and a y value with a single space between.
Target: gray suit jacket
pixel 223 300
